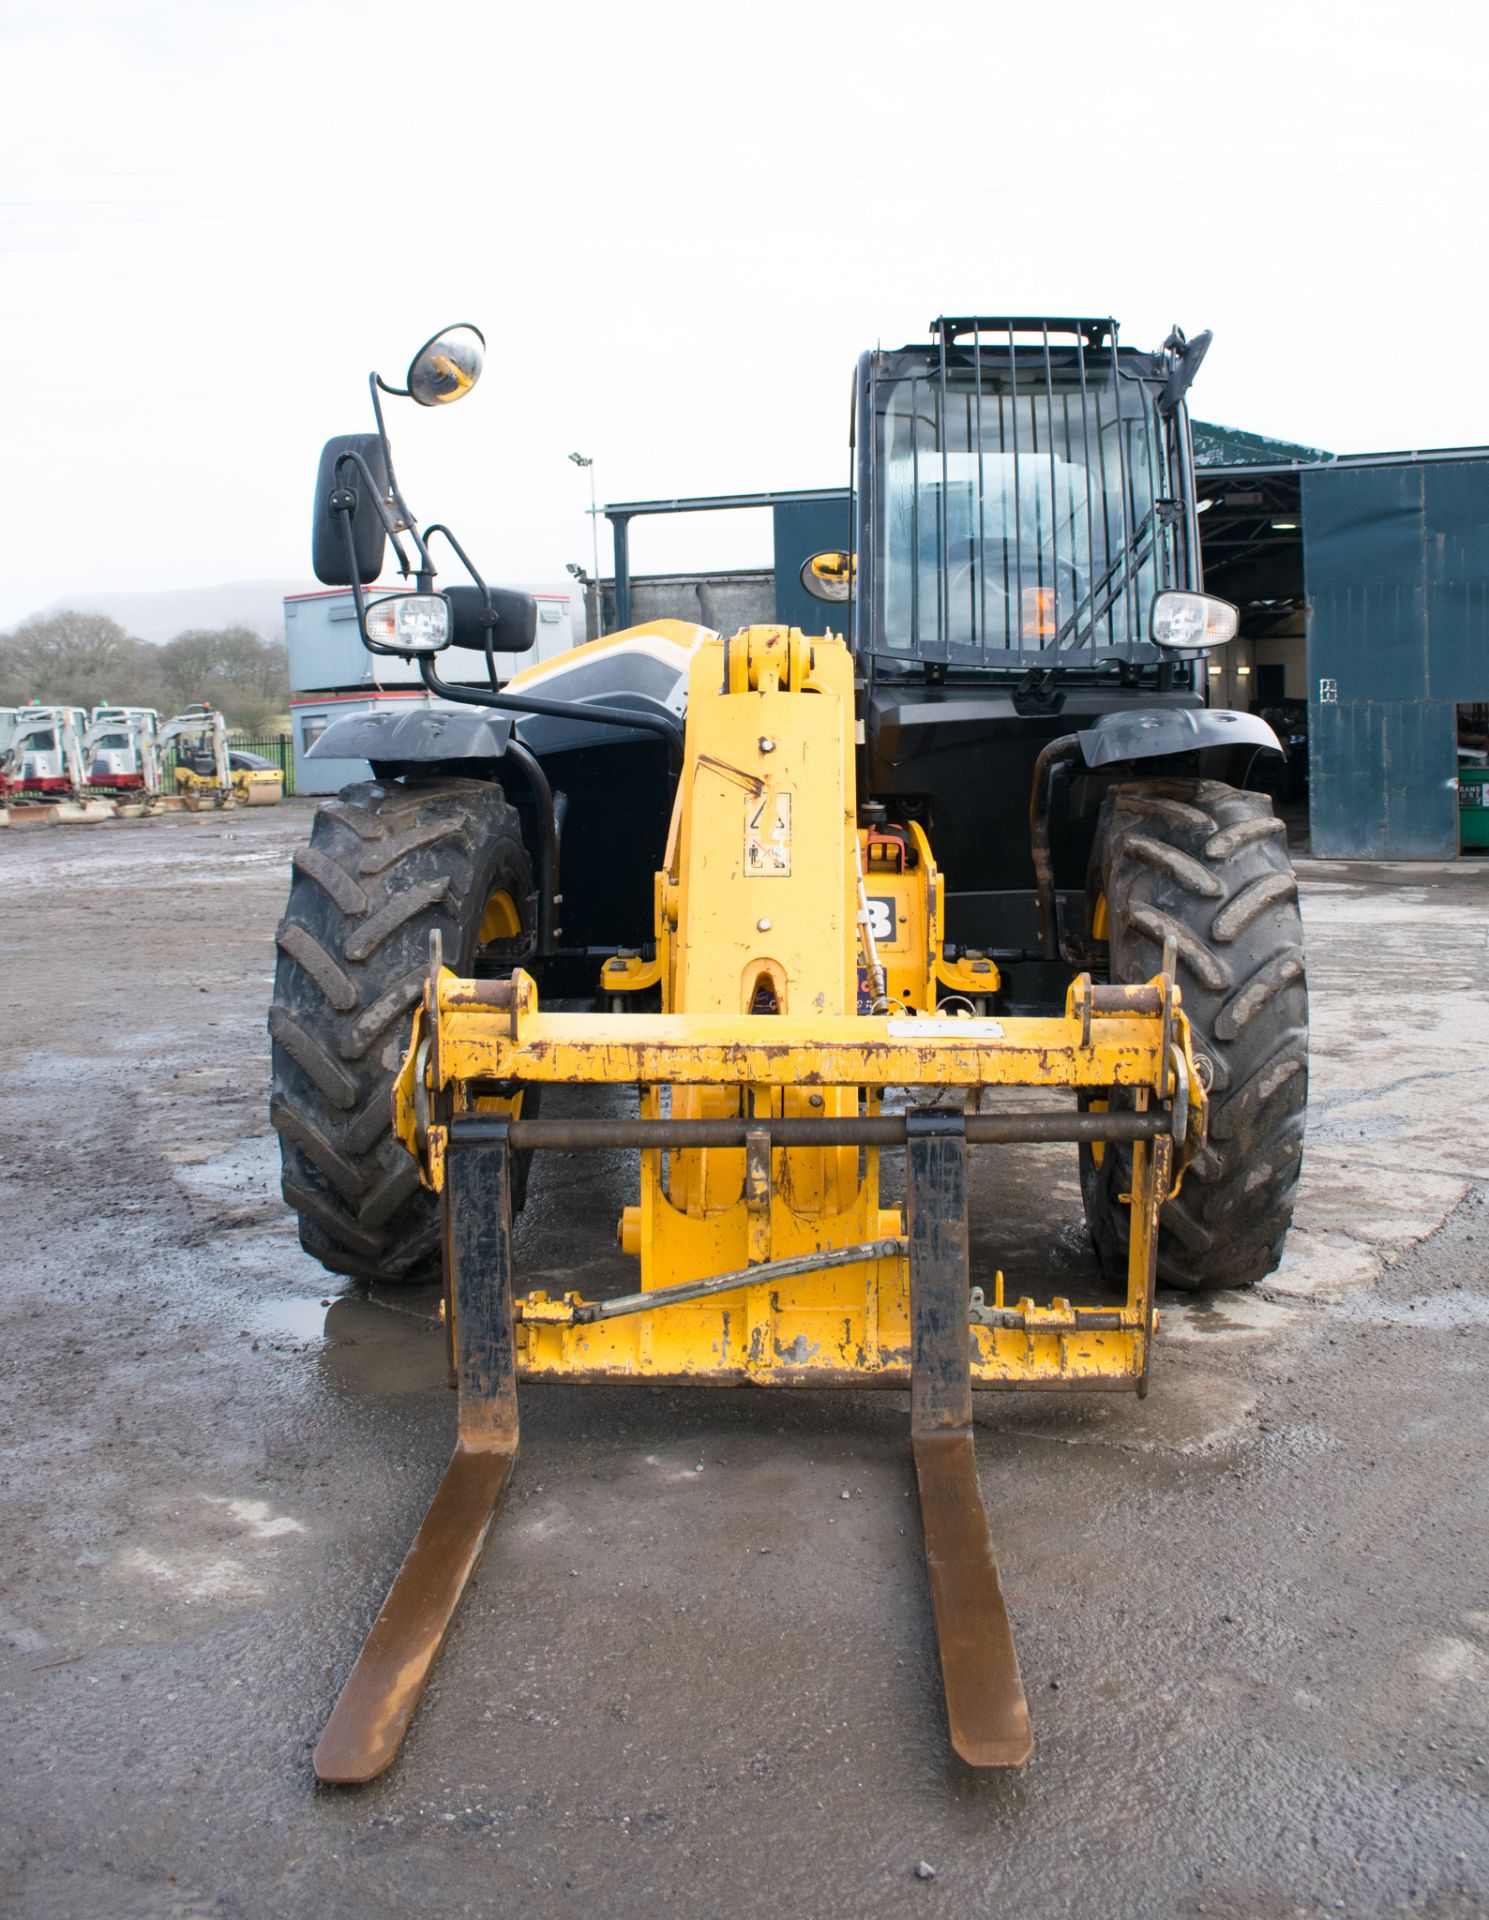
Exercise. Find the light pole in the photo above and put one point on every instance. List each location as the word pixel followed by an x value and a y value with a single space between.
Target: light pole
pixel 581 460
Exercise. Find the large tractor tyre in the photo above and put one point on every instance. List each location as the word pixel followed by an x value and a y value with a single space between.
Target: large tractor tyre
pixel 386 864
pixel 1209 865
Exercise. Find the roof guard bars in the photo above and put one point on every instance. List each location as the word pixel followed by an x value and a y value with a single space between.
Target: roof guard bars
pixel 1095 333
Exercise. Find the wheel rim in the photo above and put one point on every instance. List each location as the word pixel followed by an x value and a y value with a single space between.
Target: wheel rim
pixel 499 921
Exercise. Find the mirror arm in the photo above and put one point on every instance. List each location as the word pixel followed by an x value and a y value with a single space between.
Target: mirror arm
pixel 405 513
pixel 390 525
pixel 470 567
pixel 460 553
pixel 359 598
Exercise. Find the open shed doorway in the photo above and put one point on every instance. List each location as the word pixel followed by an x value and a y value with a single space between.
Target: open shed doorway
pixel 1472 775
pixel 1251 536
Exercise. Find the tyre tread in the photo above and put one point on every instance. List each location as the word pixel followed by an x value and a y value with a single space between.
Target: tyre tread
pixel 387 864
pixel 1242 971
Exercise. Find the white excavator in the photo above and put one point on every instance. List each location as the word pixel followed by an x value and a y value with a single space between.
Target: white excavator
pixel 42 773
pixel 45 755
pixel 121 751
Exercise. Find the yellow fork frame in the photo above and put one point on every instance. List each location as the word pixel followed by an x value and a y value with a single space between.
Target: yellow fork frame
pixel 759 897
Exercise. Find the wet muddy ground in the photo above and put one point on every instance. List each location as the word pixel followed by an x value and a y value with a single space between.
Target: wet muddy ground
pixel 697 1673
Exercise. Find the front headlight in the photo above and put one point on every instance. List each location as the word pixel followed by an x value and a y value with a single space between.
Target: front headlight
pixel 410 622
pixel 1188 622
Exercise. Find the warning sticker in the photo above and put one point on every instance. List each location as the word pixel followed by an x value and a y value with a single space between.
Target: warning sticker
pixel 767 840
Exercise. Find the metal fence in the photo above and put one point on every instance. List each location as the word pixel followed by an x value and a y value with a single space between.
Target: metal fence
pixel 278 747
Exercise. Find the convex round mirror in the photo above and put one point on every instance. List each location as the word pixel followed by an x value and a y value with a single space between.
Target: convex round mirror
pixel 447 367
pixel 828 576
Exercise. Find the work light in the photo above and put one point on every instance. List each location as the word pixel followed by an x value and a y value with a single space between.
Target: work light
pixel 410 622
pixel 1186 622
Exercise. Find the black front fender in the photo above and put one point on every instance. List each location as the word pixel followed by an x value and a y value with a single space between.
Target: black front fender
pixel 1153 732
pixel 424 737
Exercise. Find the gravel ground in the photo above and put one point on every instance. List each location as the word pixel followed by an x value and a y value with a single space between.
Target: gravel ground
pixel 1253 1611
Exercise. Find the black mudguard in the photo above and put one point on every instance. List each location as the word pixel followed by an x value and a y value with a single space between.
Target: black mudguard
pixel 1150 733
pixel 437 736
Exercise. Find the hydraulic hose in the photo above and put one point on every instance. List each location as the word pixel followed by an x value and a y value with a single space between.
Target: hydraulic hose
pixel 1058 753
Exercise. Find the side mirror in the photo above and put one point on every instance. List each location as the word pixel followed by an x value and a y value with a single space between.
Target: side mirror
pixel 1188 355
pixel 498 617
pixel 829 576
pixel 447 367
pixel 348 463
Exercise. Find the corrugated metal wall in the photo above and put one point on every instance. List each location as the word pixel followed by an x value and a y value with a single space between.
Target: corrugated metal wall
pixel 1396 560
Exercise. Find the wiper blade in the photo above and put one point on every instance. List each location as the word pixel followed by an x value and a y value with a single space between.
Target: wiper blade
pixel 1126 564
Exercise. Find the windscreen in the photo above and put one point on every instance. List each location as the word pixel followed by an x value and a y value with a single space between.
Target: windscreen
pixel 1018 517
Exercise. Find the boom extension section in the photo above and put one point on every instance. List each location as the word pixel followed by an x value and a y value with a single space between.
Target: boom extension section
pixel 792 1017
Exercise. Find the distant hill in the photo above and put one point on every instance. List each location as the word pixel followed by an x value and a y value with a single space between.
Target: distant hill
pixel 161 616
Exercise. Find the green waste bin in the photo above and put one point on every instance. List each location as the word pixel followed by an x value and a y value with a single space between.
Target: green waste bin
pixel 1473 808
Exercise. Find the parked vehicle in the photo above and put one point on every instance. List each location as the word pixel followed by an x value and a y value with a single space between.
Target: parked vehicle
pixel 121 750
pixel 208 772
pixel 977 833
pixel 45 755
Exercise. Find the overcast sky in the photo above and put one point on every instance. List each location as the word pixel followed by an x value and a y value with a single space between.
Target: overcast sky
pixel 677 226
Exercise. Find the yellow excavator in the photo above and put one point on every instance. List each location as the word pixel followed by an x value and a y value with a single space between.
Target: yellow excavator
pixel 209 772
pixel 828 896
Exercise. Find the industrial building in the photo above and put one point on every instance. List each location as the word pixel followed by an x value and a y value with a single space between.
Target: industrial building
pixel 1363 583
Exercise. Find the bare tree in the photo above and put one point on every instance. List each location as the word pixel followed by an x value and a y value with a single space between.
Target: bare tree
pixel 233 668
pixel 79 659
pixel 87 659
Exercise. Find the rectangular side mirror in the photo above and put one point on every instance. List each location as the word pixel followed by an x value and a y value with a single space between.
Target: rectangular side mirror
pixel 346 464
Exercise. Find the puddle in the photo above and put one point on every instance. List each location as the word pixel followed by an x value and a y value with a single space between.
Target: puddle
pixel 374 1348
pixel 302 1320
pixel 377 1346
pixel 246 1172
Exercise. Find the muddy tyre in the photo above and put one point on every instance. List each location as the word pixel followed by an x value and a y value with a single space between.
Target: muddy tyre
pixel 1209 865
pixel 386 864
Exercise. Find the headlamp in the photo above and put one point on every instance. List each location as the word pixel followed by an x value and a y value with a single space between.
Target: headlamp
pixel 410 622
pixel 1189 622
